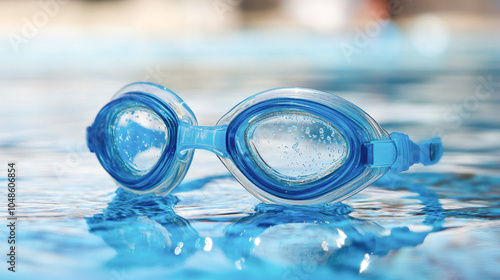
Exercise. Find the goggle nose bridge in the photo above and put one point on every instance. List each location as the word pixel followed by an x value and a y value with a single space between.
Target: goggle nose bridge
pixel 210 138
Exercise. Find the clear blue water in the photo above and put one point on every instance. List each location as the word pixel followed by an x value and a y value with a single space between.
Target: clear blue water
pixel 439 222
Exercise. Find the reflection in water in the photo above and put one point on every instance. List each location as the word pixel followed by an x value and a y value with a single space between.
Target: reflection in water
pixel 144 229
pixel 303 238
pixel 297 241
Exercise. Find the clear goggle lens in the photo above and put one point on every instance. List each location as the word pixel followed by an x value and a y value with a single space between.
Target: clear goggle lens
pixel 140 137
pixel 295 147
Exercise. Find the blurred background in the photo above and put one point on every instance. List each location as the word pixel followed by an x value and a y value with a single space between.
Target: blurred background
pixel 60 61
pixel 426 68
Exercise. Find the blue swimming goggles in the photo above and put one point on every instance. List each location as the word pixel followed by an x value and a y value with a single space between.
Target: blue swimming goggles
pixel 285 145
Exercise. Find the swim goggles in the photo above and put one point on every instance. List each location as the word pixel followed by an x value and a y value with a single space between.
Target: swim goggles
pixel 285 146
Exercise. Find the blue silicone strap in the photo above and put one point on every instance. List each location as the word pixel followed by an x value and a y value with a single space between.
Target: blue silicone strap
pixel 400 152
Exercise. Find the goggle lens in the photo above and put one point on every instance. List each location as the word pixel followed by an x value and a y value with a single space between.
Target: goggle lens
pixel 140 137
pixel 295 147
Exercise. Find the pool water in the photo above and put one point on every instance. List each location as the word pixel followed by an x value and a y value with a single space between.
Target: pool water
pixel 436 222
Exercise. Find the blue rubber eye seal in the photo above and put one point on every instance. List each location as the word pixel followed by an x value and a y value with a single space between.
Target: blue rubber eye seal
pixel 101 140
pixel 351 168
